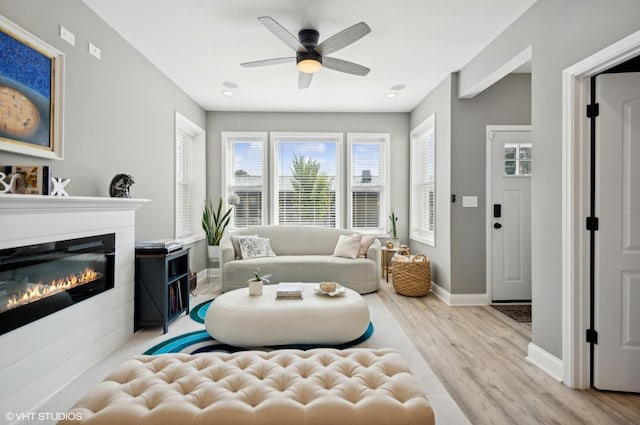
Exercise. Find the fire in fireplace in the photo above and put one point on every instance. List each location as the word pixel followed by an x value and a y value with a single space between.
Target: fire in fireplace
pixel 37 280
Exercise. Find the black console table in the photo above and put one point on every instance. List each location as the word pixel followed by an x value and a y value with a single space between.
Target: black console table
pixel 162 287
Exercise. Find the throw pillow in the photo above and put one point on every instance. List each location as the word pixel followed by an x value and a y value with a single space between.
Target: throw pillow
pixel 348 246
pixel 366 242
pixel 235 240
pixel 255 246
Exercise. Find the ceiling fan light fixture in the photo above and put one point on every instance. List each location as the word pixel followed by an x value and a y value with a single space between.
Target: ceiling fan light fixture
pixel 309 66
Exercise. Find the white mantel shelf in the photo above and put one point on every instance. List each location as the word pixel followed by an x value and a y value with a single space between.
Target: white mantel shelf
pixel 11 203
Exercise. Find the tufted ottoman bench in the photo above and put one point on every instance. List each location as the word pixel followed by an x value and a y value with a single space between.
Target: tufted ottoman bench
pixel 281 387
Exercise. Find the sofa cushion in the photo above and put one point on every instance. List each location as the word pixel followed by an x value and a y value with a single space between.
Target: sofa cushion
pixel 235 240
pixel 348 246
pixel 365 243
pixel 255 246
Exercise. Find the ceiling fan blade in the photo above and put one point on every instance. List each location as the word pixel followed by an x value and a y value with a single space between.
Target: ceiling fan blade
pixel 345 66
pixel 279 31
pixel 266 62
pixel 343 38
pixel 304 80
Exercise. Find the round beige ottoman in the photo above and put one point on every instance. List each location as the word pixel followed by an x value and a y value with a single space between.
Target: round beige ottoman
pixel 239 319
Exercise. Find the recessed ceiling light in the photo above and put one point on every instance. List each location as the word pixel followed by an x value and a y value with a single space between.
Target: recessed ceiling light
pixel 391 95
pixel 398 87
pixel 230 84
pixel 228 93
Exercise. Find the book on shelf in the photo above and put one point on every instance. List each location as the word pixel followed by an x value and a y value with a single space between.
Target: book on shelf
pixel 289 291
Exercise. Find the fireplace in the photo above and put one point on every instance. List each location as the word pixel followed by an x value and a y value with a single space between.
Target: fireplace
pixel 37 280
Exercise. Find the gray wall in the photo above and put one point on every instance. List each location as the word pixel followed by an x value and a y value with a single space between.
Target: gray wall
pixel 118 112
pixel 439 101
pixel 508 102
pixel 396 124
pixel 562 33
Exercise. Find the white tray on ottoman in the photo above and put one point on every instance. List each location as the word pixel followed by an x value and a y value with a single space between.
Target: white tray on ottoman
pixel 284 387
pixel 240 319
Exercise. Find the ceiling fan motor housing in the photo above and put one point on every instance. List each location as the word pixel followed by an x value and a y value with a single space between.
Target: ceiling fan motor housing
pixel 308 38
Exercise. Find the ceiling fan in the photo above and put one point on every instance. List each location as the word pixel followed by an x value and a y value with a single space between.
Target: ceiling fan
pixel 310 56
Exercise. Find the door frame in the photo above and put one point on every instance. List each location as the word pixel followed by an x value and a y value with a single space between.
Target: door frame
pixel 576 193
pixel 490 131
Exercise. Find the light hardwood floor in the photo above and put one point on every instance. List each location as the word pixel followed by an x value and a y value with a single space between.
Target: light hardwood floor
pixel 479 355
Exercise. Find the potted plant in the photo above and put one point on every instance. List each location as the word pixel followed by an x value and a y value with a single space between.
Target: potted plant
pixel 394 230
pixel 256 282
pixel 214 223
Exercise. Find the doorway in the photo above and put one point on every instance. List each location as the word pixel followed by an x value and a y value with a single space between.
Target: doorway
pixel 576 206
pixel 508 232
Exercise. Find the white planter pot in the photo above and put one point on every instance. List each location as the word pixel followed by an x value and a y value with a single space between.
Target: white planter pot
pixel 255 287
pixel 213 252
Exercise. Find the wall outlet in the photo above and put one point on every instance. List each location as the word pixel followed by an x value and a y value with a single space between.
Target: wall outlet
pixel 95 51
pixel 470 201
pixel 67 36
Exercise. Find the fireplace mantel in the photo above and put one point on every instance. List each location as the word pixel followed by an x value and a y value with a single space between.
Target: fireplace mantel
pixel 12 204
pixel 81 334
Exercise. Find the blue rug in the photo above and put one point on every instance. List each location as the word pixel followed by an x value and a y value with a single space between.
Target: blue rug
pixel 201 342
pixel 199 312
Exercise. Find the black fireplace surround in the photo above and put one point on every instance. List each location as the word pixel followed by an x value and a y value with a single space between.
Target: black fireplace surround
pixel 38 280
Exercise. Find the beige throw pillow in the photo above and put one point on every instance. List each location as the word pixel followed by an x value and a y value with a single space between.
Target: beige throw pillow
pixel 235 240
pixel 366 242
pixel 348 246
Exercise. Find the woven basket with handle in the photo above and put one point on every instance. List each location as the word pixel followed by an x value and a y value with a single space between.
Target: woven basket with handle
pixel 412 278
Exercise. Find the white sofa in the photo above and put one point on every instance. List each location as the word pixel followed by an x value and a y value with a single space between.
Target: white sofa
pixel 303 254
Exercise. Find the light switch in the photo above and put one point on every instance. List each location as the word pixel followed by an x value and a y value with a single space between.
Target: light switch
pixel 95 51
pixel 470 201
pixel 67 36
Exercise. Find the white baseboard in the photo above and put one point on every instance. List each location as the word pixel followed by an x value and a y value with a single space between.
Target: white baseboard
pixel 202 275
pixel 545 361
pixel 458 299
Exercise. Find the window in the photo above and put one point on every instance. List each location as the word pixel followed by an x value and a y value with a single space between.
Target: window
pixel 306 179
pixel 244 174
pixel 189 178
pixel 423 184
pixel 517 159
pixel 368 182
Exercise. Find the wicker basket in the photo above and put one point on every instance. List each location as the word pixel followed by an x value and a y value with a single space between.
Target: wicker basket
pixel 412 278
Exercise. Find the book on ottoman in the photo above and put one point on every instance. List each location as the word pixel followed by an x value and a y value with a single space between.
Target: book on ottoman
pixel 289 291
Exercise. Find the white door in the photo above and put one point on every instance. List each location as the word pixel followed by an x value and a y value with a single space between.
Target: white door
pixel 616 359
pixel 509 212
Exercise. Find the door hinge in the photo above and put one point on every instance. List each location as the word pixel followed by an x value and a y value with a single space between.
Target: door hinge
pixel 593 110
pixel 592 336
pixel 593 223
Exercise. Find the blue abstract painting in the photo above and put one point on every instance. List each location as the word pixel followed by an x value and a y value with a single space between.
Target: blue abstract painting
pixel 25 93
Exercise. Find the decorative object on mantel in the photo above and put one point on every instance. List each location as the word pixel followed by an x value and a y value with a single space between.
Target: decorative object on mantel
pixel 13 183
pixel 214 223
pixel 59 183
pixel 120 186
pixel 27 179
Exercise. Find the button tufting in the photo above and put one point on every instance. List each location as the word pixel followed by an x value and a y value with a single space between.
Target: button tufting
pixel 281 386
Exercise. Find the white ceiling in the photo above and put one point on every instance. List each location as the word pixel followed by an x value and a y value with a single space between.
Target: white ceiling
pixel 199 44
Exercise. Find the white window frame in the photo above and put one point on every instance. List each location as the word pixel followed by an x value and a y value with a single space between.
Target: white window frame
pixel 385 181
pixel 196 177
pixel 275 137
pixel 417 232
pixel 228 138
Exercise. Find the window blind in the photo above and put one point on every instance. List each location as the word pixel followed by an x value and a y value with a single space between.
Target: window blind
pixel 423 182
pixel 367 177
pixel 305 182
pixel 247 180
pixel 184 183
